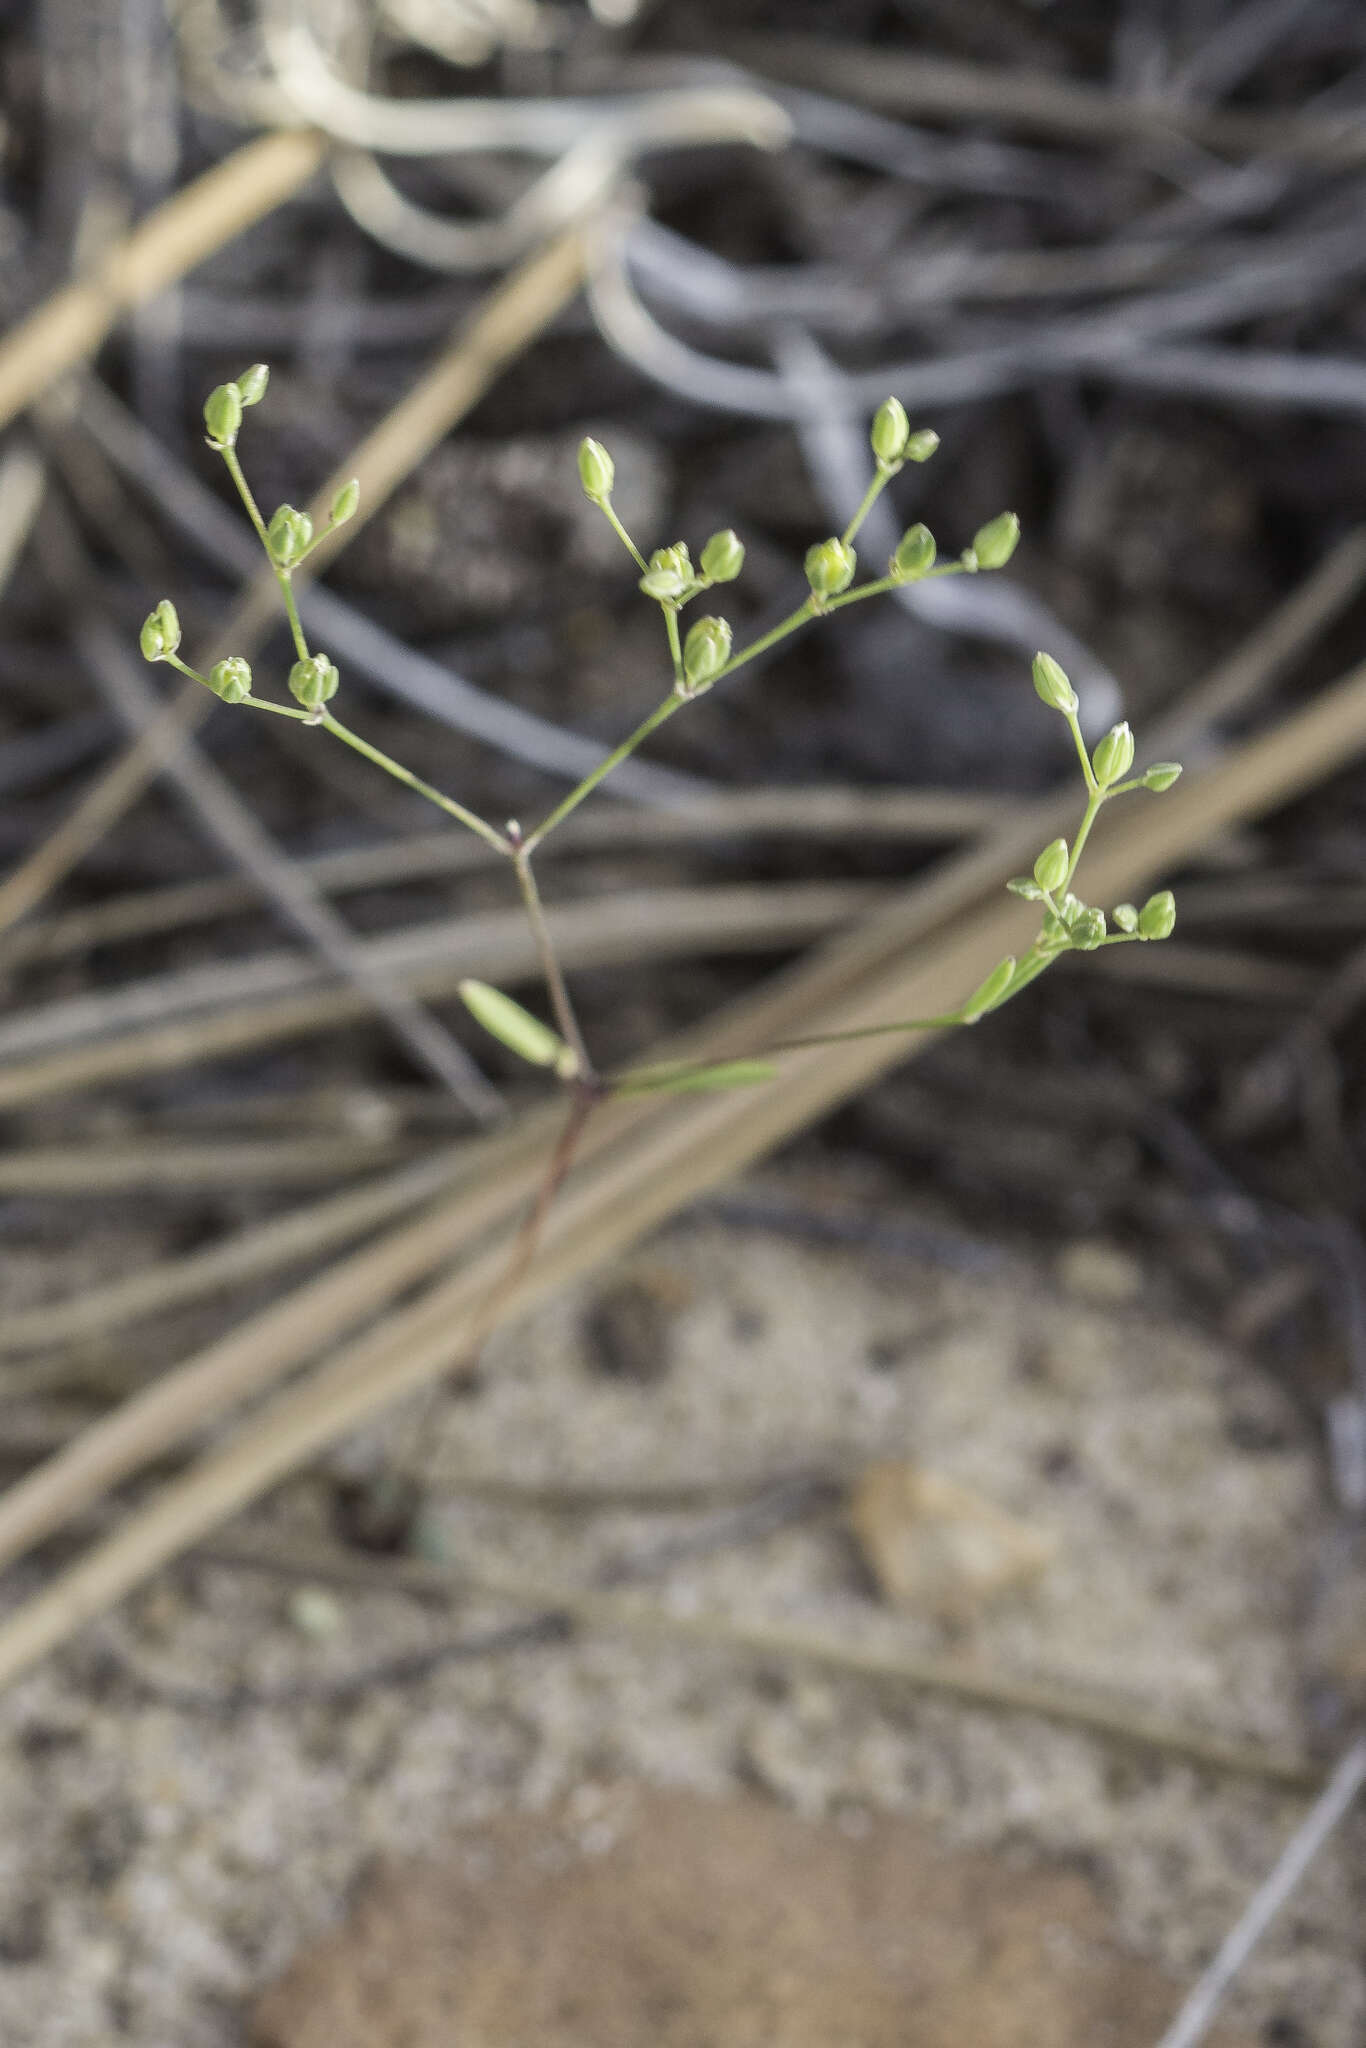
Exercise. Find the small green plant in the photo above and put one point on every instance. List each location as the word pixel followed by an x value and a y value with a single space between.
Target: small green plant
pixel 699 659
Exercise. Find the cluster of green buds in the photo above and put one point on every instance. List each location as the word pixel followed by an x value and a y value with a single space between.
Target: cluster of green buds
pixel 892 441
pixel 224 406
pixel 1069 924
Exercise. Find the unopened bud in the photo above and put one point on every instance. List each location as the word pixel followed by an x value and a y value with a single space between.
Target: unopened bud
pixel 160 635
pixel 669 574
pixel 1050 869
pixel 921 445
pixel 723 557
pixel 251 385
pixel 891 431
pixel 288 536
pixel 230 679
pixel 705 652
pixel 223 414
pixel 1050 680
pixel 915 552
pixel 1157 919
pixel 830 567
pixel 597 471
pixel 313 681
pixel 989 993
pixel 1161 775
pixel 1114 755
pixel 1088 930
pixel 1026 886
pixel 1125 917
pixel 995 543
pixel 345 503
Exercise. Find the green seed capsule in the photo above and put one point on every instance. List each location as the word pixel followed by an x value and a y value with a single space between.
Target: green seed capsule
pixel 1161 775
pixel 288 536
pixel 597 471
pixel 723 557
pixel 669 574
pixel 921 445
pixel 705 652
pixel 995 543
pixel 516 1028
pixel 989 992
pixel 223 414
pixel 915 553
pixel 1114 755
pixel 1050 869
pixel 160 635
pixel 1050 680
pixel 830 567
pixel 345 503
pixel 251 385
pixel 1157 919
pixel 230 679
pixel 1087 930
pixel 890 432
pixel 313 681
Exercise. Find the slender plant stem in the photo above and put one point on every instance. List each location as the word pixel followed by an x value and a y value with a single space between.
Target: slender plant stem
pixel 471 819
pixel 675 644
pixel 870 497
pixel 1093 804
pixel 550 966
pixel 605 506
pixel 282 577
pixel 1088 772
pixel 604 768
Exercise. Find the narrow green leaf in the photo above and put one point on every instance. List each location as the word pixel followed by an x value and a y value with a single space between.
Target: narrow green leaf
pixel 515 1027
pixel 695 1080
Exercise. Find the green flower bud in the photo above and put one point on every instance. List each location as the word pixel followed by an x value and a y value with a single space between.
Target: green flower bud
pixel 1087 929
pixel 989 992
pixel 230 679
pixel 1071 908
pixel 1161 775
pixel 1125 917
pixel 830 567
pixel 669 573
pixel 251 385
pixel 1050 869
pixel 313 681
pixel 723 557
pixel 597 471
pixel 345 503
pixel 705 652
pixel 160 635
pixel 1050 680
pixel 288 536
pixel 223 414
pixel 921 445
pixel 890 433
pixel 915 553
pixel 1026 886
pixel 517 1029
pixel 995 543
pixel 1157 918
pixel 1114 755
